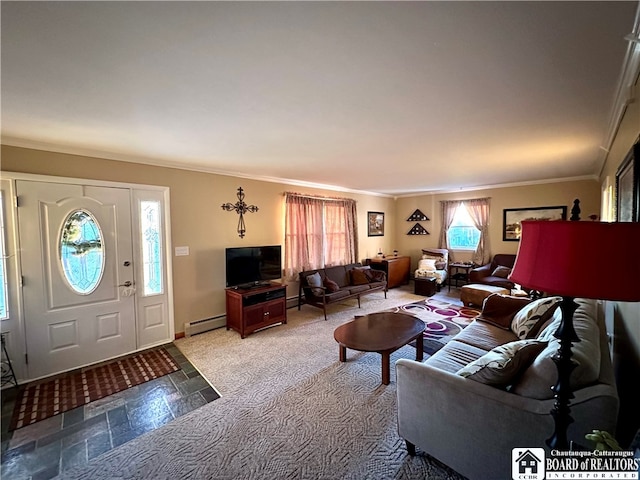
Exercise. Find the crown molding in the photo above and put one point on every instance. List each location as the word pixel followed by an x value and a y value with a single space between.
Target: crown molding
pixel 629 74
pixel 70 150
pixel 123 157
pixel 500 185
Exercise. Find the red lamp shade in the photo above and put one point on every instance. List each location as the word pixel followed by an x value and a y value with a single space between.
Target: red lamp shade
pixel 580 259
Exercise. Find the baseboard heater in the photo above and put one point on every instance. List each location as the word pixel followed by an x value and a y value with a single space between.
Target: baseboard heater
pixel 201 326
pixel 292 302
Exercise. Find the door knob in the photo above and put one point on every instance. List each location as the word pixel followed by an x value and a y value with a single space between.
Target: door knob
pixel 125 284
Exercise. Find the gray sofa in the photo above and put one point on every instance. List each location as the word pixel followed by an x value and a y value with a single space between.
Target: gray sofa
pixel 472 426
pixel 339 283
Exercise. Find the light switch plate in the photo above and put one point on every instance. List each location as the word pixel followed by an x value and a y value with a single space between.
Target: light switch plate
pixel 182 251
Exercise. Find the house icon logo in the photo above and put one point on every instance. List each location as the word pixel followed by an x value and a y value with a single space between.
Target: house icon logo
pixel 527 464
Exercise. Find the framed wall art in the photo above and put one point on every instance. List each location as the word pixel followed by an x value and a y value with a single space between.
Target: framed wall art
pixel 512 218
pixel 627 180
pixel 375 224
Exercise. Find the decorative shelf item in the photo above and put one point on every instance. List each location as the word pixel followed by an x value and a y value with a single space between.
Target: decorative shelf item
pixel 575 211
pixel 418 229
pixel 417 216
pixel 240 207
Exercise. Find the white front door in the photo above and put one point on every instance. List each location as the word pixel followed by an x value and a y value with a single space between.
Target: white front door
pixel 77 265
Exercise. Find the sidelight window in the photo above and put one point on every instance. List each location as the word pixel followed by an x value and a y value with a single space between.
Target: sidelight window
pixel 4 295
pixel 150 226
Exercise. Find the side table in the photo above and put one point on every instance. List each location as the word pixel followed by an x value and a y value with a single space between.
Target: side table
pixel 459 273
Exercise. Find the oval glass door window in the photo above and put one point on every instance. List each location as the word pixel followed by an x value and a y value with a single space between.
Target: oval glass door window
pixel 82 252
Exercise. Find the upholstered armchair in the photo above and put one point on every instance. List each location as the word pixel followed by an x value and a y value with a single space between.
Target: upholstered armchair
pixel 496 272
pixel 433 264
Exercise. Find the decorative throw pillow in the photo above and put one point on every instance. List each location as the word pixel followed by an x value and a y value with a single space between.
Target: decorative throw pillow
pixel 502 272
pixel 440 261
pixel 499 309
pixel 374 275
pixel 315 282
pixel 330 285
pixel 367 270
pixel 541 326
pixel 504 363
pixel 548 329
pixel 427 264
pixel 533 315
pixel 358 277
pixel 543 373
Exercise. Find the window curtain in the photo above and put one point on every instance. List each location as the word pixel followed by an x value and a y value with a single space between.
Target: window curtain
pixel 448 211
pixel 478 209
pixel 340 232
pixel 319 232
pixel 303 235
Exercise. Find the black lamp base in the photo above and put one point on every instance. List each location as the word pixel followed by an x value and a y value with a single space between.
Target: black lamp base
pixel 562 389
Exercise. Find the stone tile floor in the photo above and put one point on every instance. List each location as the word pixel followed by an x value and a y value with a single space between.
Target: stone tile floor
pixel 47 448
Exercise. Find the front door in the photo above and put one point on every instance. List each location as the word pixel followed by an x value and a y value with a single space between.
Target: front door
pixel 77 266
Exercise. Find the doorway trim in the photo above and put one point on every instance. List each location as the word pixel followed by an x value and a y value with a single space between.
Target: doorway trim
pixel 14 326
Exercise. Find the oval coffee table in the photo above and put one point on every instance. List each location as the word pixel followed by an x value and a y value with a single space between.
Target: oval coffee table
pixel 383 333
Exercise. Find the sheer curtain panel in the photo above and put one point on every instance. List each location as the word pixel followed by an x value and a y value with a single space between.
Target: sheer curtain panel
pixel 478 209
pixel 448 210
pixel 319 232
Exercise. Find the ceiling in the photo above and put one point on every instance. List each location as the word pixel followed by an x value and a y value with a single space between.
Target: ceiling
pixel 393 98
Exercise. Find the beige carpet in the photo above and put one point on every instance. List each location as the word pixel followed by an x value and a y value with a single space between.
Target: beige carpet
pixel 289 409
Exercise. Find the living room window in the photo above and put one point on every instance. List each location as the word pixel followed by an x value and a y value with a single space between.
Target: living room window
pixel 465 226
pixel 462 234
pixel 319 232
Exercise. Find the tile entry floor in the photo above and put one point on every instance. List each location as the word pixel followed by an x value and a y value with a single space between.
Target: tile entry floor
pixel 47 448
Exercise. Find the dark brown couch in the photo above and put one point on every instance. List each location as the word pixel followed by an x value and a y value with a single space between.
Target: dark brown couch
pixel 486 273
pixel 349 285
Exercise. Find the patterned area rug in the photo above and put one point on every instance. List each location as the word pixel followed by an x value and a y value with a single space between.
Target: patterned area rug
pixel 43 399
pixel 443 321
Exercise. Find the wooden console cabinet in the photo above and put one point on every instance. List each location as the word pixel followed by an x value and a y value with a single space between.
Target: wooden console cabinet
pixel 250 309
pixel 397 269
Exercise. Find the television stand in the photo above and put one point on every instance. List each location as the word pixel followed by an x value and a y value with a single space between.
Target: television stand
pixel 252 286
pixel 256 307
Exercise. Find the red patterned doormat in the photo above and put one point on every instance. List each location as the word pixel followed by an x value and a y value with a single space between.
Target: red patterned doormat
pixel 46 398
pixel 442 320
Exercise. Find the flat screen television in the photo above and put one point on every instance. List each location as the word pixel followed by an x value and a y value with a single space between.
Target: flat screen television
pixel 248 267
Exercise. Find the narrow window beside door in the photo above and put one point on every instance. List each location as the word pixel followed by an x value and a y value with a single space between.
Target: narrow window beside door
pixel 4 297
pixel 151 247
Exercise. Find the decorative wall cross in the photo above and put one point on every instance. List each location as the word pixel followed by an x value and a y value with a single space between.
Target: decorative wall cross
pixel 240 208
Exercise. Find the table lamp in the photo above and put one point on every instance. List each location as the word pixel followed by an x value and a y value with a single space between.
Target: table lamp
pixel 576 260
